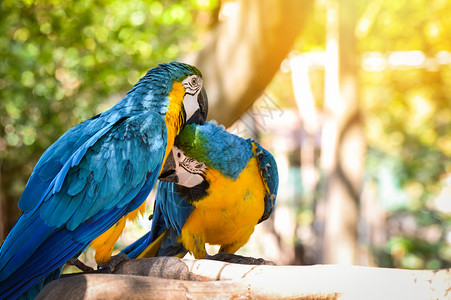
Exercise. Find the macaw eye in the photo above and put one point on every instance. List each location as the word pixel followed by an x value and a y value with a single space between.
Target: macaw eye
pixel 179 155
pixel 194 81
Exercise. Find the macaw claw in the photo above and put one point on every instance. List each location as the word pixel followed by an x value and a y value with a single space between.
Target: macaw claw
pixel 113 262
pixel 79 264
pixel 238 259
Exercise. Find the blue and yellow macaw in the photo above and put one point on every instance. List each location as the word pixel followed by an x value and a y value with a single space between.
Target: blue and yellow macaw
pixel 216 187
pixel 95 173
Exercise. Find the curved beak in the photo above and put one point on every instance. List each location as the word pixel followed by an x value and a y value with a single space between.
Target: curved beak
pixel 200 116
pixel 182 170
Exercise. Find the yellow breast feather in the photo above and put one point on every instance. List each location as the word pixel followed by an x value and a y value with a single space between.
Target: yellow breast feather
pixel 228 214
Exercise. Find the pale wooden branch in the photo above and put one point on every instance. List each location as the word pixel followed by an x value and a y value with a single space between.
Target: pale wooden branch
pixel 109 286
pixel 208 279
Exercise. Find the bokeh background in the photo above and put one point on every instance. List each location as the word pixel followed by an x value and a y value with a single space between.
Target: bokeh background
pixel 353 98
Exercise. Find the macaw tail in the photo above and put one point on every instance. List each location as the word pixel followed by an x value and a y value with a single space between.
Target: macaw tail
pixel 32 292
pixel 29 262
pixel 29 279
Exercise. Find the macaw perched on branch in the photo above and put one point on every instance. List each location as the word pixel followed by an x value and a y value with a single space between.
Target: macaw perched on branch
pixel 96 173
pixel 216 187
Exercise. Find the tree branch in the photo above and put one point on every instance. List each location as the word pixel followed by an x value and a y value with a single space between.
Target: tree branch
pixel 245 51
pixel 202 279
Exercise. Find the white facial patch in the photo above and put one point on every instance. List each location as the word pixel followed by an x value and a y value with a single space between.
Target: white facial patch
pixel 188 170
pixel 193 85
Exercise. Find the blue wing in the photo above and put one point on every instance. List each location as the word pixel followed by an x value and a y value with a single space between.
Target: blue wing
pixel 172 208
pixel 93 175
pixel 268 171
pixel 175 204
pixel 53 159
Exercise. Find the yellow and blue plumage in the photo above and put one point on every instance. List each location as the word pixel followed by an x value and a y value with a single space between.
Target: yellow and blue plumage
pixel 95 174
pixel 222 186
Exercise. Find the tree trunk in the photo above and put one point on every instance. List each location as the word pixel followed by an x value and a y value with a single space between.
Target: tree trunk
pixel 3 218
pixel 246 50
pixel 343 145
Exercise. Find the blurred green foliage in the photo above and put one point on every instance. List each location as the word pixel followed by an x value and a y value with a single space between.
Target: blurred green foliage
pixel 64 61
pixel 407 113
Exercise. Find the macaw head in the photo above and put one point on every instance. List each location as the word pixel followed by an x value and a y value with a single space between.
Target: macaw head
pixel 183 170
pixel 211 144
pixel 195 101
pixel 200 147
pixel 176 90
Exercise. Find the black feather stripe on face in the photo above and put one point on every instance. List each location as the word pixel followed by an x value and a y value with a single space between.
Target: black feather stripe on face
pixel 193 194
pixel 182 117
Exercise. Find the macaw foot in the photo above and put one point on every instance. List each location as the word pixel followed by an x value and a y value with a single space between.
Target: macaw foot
pixel 238 259
pixel 113 262
pixel 77 263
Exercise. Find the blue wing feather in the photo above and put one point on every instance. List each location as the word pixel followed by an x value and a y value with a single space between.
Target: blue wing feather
pixel 157 228
pixel 175 208
pixel 51 162
pixel 70 215
pixel 171 210
pixel 270 176
pixel 138 246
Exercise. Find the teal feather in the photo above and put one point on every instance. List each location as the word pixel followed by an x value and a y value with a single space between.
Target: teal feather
pixel 214 146
pixel 268 170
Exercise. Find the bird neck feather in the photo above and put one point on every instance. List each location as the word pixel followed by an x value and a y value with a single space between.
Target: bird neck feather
pixel 174 116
